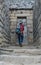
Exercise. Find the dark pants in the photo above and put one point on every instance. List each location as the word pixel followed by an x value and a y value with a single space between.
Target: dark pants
pixel 20 38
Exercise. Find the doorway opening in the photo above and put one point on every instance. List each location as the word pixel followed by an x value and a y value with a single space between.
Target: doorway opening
pixel 24 20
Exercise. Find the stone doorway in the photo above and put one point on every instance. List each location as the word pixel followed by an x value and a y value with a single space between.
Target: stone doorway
pixel 24 20
pixel 27 17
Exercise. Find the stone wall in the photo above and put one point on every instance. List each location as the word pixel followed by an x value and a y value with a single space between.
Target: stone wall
pixel 4 24
pixel 12 26
pixel 13 20
pixel 37 21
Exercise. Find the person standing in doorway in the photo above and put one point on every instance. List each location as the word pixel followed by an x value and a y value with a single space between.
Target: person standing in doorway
pixel 20 33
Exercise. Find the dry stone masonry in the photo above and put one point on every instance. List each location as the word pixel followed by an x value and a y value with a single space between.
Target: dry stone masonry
pixel 37 21
pixel 23 10
pixel 14 14
pixel 9 13
pixel 8 20
pixel 4 24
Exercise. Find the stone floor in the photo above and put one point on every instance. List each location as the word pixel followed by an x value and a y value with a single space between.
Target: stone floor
pixel 15 55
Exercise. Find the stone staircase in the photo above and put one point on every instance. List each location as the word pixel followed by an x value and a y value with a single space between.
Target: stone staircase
pixel 13 56
pixel 20 60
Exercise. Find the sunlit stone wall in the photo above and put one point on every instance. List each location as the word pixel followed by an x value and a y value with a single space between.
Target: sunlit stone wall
pixel 13 19
pixel 37 21
pixel 4 24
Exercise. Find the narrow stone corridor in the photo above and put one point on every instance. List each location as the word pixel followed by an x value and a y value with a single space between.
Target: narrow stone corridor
pixel 11 12
pixel 9 19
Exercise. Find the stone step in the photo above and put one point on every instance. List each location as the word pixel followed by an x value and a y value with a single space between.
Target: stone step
pixel 17 52
pixel 21 60
pixel 8 63
pixel 28 51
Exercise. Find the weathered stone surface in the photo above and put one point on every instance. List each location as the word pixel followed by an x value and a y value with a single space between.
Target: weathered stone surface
pixel 37 21
pixel 4 23
pixel 20 56
pixel 25 13
pixel 9 20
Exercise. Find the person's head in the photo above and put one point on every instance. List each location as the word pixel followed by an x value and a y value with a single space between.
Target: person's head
pixel 20 23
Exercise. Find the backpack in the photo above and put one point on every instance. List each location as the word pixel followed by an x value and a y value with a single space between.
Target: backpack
pixel 17 30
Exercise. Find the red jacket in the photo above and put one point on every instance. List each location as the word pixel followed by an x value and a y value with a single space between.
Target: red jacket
pixel 22 28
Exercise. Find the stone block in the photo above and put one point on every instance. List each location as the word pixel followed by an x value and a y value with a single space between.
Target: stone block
pixel 13 37
pixel 13 23
pixel 12 27
pixel 0 40
pixel 0 34
pixel 0 28
pixel 40 40
pixel 13 20
pixel 11 15
pixel 1 24
pixel 30 39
